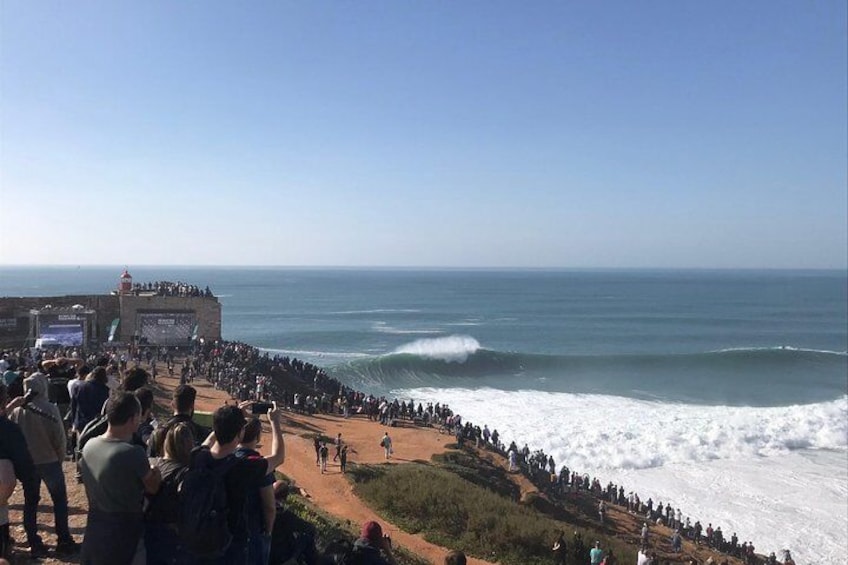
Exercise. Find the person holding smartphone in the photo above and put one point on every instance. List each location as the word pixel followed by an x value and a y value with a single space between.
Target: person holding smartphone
pixel 372 547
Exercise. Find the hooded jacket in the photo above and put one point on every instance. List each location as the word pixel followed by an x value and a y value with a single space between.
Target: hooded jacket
pixel 41 424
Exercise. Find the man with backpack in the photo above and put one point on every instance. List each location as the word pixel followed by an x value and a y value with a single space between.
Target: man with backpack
pixel 215 488
pixel 261 507
pixel 182 403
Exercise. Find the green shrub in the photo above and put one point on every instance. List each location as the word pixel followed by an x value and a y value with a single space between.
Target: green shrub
pixel 451 511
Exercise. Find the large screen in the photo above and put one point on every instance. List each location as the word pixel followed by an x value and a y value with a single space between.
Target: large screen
pixel 61 329
pixel 166 328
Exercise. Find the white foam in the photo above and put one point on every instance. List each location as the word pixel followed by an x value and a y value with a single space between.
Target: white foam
pixel 323 355
pixel 782 348
pixel 384 328
pixel 778 476
pixel 375 311
pixel 454 348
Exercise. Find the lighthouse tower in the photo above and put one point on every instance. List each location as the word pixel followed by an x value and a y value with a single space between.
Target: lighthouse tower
pixel 125 283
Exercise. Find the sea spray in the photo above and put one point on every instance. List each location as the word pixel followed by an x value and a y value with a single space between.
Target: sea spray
pixel 452 349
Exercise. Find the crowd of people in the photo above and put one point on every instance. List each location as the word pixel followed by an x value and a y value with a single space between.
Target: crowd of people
pixel 244 371
pixel 158 492
pixel 103 400
pixel 168 288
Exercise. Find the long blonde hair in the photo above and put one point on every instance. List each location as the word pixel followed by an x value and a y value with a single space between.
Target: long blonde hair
pixel 178 443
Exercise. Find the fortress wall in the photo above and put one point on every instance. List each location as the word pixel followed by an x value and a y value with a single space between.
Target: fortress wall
pixel 15 320
pixel 207 310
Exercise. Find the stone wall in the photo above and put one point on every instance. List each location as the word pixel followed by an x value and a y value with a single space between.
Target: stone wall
pixel 207 310
pixel 15 319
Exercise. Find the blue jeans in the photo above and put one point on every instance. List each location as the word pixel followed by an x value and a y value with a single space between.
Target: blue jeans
pixel 54 478
pixel 258 549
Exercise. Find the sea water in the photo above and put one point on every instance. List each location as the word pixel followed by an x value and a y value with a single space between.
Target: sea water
pixel 722 392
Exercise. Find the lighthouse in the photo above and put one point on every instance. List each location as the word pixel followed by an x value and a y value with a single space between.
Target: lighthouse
pixel 125 283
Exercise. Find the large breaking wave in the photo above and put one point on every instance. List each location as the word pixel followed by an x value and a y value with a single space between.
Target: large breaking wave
pixel 758 376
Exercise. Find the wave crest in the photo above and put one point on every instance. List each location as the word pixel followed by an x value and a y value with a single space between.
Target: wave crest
pixel 452 349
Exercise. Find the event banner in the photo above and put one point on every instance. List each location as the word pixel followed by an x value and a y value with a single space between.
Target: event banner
pixel 166 328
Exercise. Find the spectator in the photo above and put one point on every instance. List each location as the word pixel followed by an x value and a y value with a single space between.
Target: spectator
pixel 13 448
pixel 596 555
pixel 116 475
pixel 7 487
pixel 182 403
pixel 260 501
pixel 293 539
pixel 42 427
pixel 145 428
pixel 386 444
pixel 325 453
pixel 372 547
pixel 73 384
pixel 560 549
pixel 90 398
pixel 243 476
pixel 455 558
pixel 162 544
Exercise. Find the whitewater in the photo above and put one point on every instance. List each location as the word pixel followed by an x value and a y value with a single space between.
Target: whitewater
pixel 777 476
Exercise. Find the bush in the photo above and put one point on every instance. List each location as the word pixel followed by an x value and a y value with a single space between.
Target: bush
pixel 455 513
pixel 464 505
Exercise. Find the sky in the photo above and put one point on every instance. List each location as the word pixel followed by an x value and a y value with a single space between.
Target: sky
pixel 433 134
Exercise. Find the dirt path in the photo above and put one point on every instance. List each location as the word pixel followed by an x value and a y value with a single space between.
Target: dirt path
pixel 331 491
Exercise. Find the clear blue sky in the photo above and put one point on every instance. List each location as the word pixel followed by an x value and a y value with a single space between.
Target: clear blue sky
pixel 456 134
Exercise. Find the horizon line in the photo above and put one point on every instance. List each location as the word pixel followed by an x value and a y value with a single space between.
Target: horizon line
pixel 414 267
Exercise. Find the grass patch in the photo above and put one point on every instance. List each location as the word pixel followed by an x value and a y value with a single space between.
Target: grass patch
pixel 203 419
pixel 478 471
pixel 453 512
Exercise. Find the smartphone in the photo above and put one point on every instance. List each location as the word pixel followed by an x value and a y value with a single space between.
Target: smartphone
pixel 261 407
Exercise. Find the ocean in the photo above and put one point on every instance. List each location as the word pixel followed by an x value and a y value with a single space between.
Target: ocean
pixel 723 392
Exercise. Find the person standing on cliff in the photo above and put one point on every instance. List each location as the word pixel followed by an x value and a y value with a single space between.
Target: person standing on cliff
pixel 596 555
pixel 42 426
pixel 13 448
pixel 116 474
pixel 325 453
pixel 386 444
pixel 316 443
pixel 343 459
pixel 338 447
pixel 560 549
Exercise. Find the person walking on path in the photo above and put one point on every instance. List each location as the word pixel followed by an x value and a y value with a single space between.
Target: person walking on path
pixel 343 459
pixel 325 453
pixel 316 443
pixel 338 447
pixel 386 444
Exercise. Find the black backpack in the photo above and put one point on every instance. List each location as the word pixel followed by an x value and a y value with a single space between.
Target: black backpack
pixel 164 506
pixel 203 519
pixel 96 427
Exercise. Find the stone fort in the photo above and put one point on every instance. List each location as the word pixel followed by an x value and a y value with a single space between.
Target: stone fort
pixel 127 316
